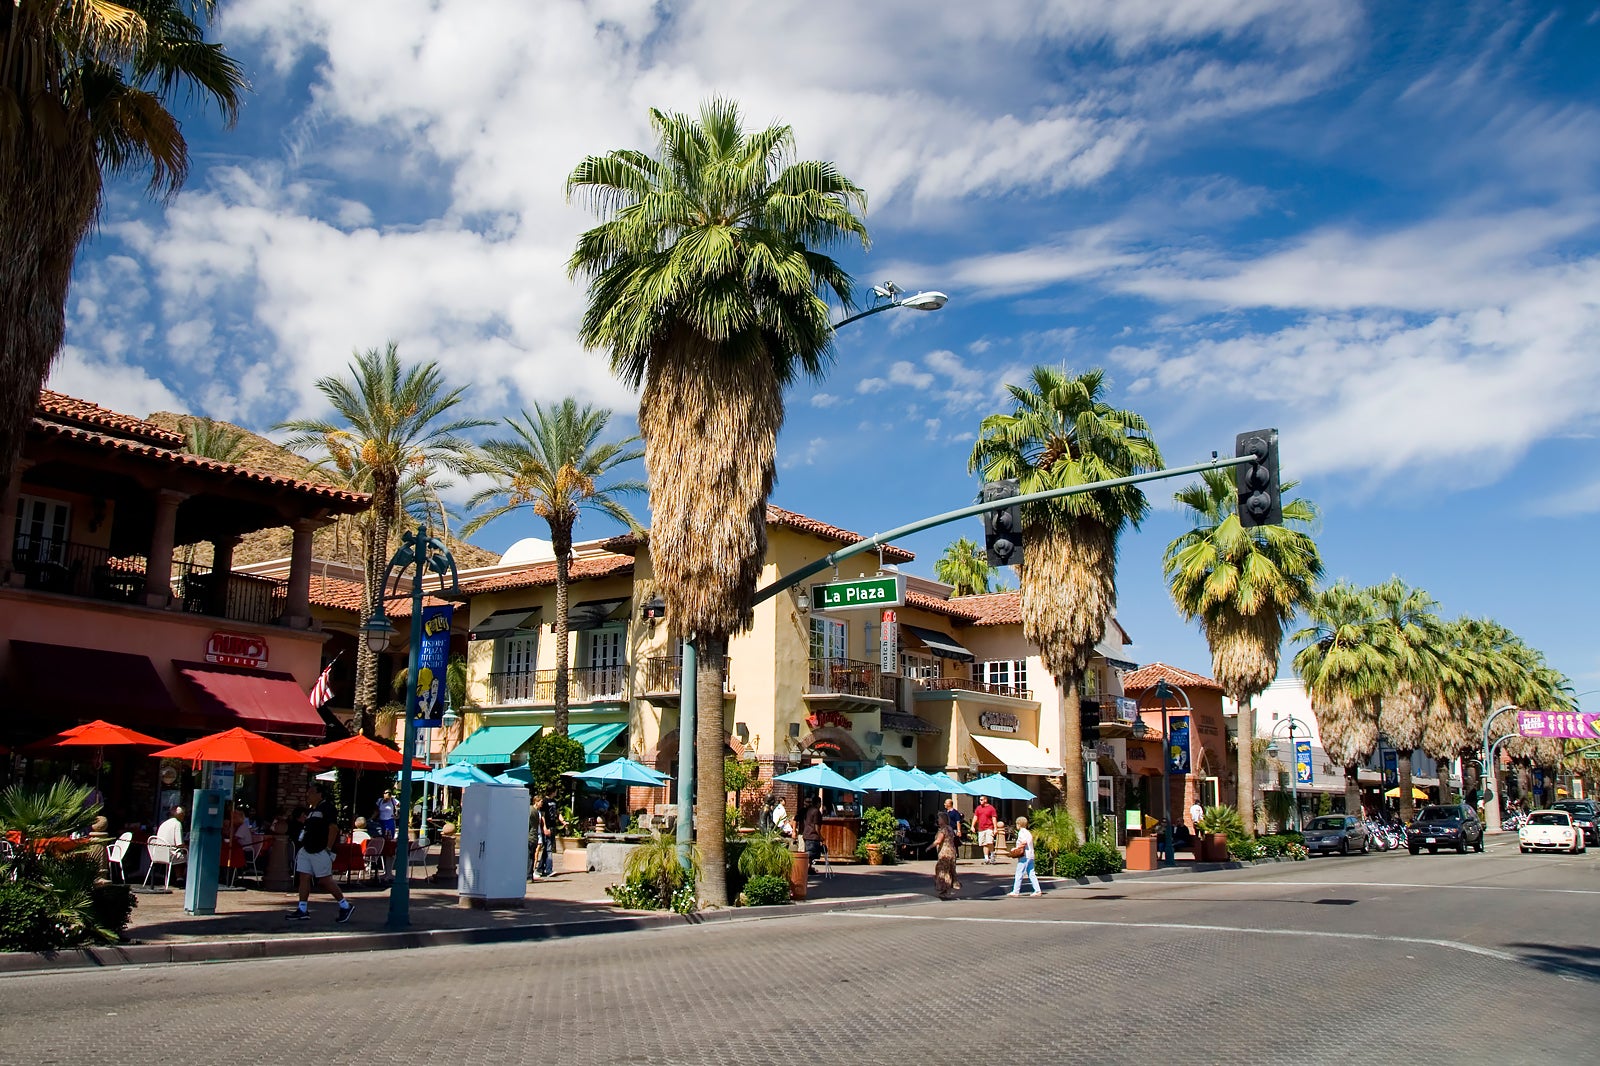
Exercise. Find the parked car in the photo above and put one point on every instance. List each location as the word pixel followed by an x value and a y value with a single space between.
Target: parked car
pixel 1445 825
pixel 1585 815
pixel 1551 830
pixel 1329 833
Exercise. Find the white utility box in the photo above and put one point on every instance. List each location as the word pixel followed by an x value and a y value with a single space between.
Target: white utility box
pixel 494 845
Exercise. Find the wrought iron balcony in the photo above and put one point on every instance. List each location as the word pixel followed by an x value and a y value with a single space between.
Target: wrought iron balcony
pixel 967 684
pixel 850 677
pixel 585 684
pixel 663 676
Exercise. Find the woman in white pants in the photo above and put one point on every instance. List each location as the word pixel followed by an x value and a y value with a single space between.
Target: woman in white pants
pixel 1023 850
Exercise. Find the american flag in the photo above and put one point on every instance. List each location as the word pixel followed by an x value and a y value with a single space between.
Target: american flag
pixel 322 692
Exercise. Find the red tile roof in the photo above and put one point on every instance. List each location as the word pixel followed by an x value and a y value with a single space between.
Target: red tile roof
pixel 63 408
pixel 993 609
pixel 1146 677
pixel 337 594
pixel 628 543
pixel 545 574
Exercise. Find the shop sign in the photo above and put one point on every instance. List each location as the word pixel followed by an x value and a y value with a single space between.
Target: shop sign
pixel 889 644
pixel 998 722
pixel 1127 709
pixel 236 649
pixel 431 666
pixel 886 591
pixel 833 718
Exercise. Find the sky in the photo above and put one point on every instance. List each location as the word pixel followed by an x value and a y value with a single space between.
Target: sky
pixel 1374 227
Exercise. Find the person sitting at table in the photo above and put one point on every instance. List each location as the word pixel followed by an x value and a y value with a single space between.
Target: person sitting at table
pixel 359 834
pixel 170 832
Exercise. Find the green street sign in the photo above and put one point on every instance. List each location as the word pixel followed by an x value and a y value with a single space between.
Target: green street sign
pixel 1591 755
pixel 888 590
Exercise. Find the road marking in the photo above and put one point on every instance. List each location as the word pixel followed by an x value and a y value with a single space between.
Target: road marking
pixel 1403 884
pixel 1453 945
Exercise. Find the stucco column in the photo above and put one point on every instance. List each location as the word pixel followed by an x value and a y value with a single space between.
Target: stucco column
pixel 297 602
pixel 221 573
pixel 8 522
pixel 158 567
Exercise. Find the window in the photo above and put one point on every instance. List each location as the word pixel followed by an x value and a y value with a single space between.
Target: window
pixel 828 639
pixel 918 667
pixel 872 633
pixel 41 530
pixel 606 663
pixel 1008 677
pixel 517 657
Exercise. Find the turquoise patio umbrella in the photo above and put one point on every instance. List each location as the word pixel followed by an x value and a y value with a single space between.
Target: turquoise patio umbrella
pixel 945 783
pixel 517 775
pixel 893 779
pixel 460 775
pixel 998 786
pixel 816 776
pixel 620 772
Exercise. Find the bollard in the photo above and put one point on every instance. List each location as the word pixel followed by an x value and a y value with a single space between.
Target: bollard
pixel 447 852
pixel 279 876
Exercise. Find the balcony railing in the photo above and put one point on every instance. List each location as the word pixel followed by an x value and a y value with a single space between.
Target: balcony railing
pixel 967 684
pixel 664 673
pixel 242 597
pixel 585 684
pixel 850 677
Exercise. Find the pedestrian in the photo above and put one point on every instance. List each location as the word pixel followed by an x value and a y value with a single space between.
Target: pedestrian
pixel 384 813
pixel 952 815
pixel 313 860
pixel 984 819
pixel 944 863
pixel 1023 853
pixel 549 824
pixel 1196 812
pixel 780 819
pixel 811 828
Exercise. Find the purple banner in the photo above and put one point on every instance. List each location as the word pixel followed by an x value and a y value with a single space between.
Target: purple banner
pixel 1570 724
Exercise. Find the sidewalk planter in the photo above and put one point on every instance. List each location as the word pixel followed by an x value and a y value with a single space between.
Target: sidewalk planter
pixel 1213 848
pixel 874 854
pixel 1141 853
pixel 799 873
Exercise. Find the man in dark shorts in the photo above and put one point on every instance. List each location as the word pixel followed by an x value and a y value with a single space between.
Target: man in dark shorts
pixel 313 861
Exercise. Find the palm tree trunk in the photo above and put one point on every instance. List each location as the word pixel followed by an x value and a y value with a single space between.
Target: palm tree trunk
pixel 1352 789
pixel 1469 772
pixel 1246 757
pixel 711 793
pixel 381 520
pixel 1075 795
pixel 1444 780
pixel 1403 761
pixel 561 543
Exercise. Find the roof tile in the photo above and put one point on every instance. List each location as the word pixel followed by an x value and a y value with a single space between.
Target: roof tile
pixel 1146 677
pixel 540 574
pixel 61 407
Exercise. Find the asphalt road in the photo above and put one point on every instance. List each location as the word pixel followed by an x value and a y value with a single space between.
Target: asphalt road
pixel 1385 958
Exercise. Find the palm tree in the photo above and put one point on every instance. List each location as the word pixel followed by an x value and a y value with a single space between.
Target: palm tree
pixel 553 464
pixel 965 566
pixel 1242 585
pixel 84 87
pixel 706 278
pixel 214 440
pixel 1064 433
pixel 1344 672
pixel 1412 640
pixel 391 428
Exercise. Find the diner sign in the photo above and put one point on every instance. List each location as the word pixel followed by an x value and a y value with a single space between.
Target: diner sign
pixel 1571 725
pixel 236 649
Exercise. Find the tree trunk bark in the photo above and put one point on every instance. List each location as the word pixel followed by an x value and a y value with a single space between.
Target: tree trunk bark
pixel 561 543
pixel 1444 780
pixel 376 538
pixel 1352 789
pixel 711 793
pixel 1072 773
pixel 1407 808
pixel 1245 793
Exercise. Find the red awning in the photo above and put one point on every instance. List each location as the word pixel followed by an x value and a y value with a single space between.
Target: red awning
pixel 267 701
pixel 62 682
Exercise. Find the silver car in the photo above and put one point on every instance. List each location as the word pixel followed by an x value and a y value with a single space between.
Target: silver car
pixel 1343 833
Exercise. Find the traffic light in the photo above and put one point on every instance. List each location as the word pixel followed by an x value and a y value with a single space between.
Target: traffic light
pixel 1002 529
pixel 1260 501
pixel 1089 721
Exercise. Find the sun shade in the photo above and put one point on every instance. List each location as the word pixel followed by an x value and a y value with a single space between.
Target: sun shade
pixel 267 701
pixel 1019 756
pixel 502 623
pixel 592 614
pixel 946 647
pixel 493 744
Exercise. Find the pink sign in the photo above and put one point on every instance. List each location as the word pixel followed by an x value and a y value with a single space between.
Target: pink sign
pixel 1571 724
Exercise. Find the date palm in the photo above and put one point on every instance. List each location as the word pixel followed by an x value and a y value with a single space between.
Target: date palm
pixel 1344 671
pixel 1242 586
pixel 706 281
pixel 554 465
pixel 391 427
pixel 1062 432
pixel 966 568
pixel 214 440
pixel 84 91
pixel 1412 641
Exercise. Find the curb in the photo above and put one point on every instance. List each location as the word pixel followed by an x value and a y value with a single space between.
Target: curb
pixel 295 947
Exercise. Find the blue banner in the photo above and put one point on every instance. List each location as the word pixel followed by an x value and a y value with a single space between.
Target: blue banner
pixel 431 667
pixel 1302 762
pixel 1178 746
pixel 1391 769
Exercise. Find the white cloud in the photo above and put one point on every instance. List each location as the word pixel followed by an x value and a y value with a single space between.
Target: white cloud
pixel 906 374
pixel 868 386
pixel 825 400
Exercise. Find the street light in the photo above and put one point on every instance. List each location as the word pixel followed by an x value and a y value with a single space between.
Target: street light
pixel 889 293
pixel 1294 776
pixel 421 554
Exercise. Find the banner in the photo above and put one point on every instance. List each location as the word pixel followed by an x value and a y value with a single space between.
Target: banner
pixel 889 644
pixel 431 666
pixel 1391 769
pixel 1570 725
pixel 1302 762
pixel 1178 746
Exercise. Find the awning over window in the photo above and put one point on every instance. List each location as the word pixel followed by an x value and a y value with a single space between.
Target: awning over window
pixel 267 701
pixel 596 737
pixel 893 721
pixel 493 744
pixel 592 614
pixel 502 623
pixel 1113 657
pixel 1019 756
pixel 945 647
pixel 59 681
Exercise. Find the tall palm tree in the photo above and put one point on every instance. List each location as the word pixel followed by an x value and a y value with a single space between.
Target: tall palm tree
pixel 553 464
pixel 1344 671
pixel 706 278
pixel 965 566
pixel 391 426
pixel 1064 433
pixel 1242 585
pixel 214 440
pixel 84 87
pixel 1412 640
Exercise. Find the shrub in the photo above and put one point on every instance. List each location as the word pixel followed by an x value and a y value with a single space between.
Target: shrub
pixel 1099 858
pixel 1054 830
pixel 878 826
pixel 113 907
pixel 766 854
pixel 1297 851
pixel 1222 819
pixel 27 918
pixel 549 756
pixel 634 895
pixel 656 862
pixel 1071 864
pixel 765 890
pixel 1245 848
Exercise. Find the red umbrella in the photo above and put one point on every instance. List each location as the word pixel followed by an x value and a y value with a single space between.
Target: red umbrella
pixel 360 753
pixel 234 745
pixel 99 734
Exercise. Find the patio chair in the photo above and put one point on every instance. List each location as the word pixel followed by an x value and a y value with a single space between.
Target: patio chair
pixel 116 851
pixel 168 855
pixel 418 857
pixel 377 850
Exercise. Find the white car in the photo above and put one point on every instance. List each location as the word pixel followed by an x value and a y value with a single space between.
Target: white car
pixel 1550 831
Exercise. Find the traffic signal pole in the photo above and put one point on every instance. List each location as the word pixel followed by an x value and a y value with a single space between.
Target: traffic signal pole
pixel 789 581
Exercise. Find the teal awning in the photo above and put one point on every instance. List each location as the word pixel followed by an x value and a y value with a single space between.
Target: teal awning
pixel 595 737
pixel 493 744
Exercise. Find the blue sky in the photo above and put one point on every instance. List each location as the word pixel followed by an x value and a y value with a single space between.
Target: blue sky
pixel 1373 226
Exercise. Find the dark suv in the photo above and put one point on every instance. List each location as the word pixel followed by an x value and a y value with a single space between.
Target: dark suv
pixel 1584 815
pixel 1445 825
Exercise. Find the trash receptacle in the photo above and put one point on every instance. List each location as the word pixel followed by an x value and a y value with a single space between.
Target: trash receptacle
pixel 1141 853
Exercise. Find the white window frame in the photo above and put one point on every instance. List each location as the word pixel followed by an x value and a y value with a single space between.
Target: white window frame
pixel 830 639
pixel 57 516
pixel 1008 674
pixel 523 689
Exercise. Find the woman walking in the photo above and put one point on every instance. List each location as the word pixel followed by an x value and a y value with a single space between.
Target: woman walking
pixel 944 866
pixel 1024 853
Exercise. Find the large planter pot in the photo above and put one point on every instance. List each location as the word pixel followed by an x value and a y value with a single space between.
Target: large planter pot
pixel 1214 848
pixel 735 878
pixel 874 854
pixel 799 873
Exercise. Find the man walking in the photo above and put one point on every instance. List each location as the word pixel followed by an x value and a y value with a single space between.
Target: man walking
pixel 1024 853
pixel 1196 813
pixel 313 861
pixel 549 822
pixel 983 818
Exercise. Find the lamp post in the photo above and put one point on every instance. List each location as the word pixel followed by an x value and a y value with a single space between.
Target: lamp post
pixel 419 553
pixel 1294 775
pixel 1166 693
pixel 889 293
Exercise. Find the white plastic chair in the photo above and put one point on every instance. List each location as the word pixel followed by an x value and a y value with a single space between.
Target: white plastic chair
pixel 168 855
pixel 418 857
pixel 116 851
pixel 377 864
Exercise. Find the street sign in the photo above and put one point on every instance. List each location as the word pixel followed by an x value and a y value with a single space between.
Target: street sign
pixel 1571 725
pixel 1591 755
pixel 886 590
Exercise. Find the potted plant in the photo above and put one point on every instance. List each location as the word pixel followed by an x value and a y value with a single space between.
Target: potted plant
pixel 878 829
pixel 1217 826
